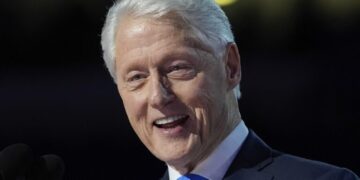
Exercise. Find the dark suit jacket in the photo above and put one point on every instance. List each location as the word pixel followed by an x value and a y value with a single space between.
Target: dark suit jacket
pixel 257 161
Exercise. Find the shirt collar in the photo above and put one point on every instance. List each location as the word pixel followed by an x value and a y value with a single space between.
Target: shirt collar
pixel 215 165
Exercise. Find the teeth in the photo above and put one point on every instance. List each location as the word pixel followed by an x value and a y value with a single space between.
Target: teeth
pixel 169 120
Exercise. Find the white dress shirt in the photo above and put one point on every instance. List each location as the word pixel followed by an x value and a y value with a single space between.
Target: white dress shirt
pixel 216 164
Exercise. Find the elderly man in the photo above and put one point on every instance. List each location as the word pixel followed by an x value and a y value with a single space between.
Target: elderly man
pixel 177 69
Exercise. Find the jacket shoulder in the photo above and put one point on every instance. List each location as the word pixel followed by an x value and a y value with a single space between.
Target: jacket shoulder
pixel 285 166
pixel 257 159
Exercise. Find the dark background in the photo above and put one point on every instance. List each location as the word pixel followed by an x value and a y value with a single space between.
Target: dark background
pixel 300 85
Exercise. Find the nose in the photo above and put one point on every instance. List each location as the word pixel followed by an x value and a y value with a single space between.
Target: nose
pixel 160 93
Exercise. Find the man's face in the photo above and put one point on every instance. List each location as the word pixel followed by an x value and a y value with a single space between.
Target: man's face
pixel 173 89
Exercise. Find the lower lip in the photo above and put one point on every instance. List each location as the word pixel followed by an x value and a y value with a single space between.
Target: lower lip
pixel 174 131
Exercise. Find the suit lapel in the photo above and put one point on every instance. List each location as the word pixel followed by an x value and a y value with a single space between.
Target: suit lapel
pixel 165 176
pixel 253 156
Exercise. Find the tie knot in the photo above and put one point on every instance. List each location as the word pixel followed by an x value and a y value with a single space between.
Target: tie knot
pixel 191 177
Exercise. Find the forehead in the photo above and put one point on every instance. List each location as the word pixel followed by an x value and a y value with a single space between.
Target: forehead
pixel 140 32
pixel 133 33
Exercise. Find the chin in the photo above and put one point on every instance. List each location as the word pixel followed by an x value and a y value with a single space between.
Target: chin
pixel 172 156
pixel 177 157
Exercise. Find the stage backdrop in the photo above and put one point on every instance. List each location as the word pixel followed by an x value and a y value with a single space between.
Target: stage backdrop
pixel 300 83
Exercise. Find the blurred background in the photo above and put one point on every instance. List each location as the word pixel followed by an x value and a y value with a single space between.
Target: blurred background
pixel 300 83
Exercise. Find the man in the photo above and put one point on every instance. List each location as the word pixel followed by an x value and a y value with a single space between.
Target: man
pixel 177 69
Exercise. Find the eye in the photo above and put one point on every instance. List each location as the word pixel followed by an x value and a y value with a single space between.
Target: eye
pixel 135 76
pixel 178 67
pixel 135 80
pixel 181 71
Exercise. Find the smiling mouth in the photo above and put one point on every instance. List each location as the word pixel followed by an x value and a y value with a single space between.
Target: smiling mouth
pixel 170 122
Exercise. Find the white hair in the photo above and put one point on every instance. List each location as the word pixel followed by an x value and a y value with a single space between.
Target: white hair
pixel 204 18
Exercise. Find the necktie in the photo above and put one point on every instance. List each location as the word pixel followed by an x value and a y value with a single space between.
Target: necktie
pixel 191 177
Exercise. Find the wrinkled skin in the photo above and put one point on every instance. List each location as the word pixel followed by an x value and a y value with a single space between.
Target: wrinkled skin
pixel 162 72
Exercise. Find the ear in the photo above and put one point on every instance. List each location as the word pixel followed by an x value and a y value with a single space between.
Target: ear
pixel 232 65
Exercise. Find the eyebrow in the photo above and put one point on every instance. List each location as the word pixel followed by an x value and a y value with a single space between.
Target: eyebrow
pixel 188 42
pixel 165 59
pixel 178 55
pixel 195 43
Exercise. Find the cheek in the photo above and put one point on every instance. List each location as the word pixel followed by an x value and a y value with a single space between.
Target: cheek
pixel 137 117
pixel 200 95
pixel 135 108
pixel 205 97
pixel 204 90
